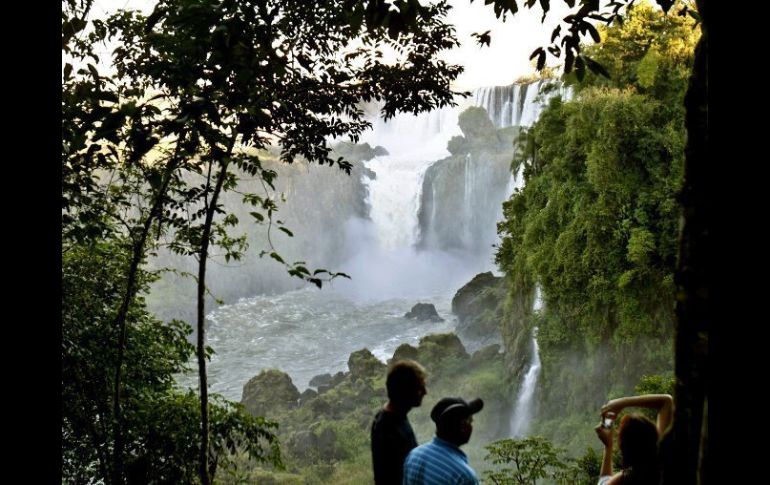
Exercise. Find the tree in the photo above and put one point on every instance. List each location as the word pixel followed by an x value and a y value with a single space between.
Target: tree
pixel 686 462
pixel 197 82
pixel 530 460
pixel 161 422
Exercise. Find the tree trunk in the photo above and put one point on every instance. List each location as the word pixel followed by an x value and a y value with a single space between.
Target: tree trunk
pixel 120 318
pixel 685 462
pixel 203 256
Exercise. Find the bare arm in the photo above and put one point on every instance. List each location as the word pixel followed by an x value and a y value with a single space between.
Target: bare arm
pixel 605 435
pixel 664 404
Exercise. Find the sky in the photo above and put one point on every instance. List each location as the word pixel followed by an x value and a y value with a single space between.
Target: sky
pixel 507 56
pixel 502 62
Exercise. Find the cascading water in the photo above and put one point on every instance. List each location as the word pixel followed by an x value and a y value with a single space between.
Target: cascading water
pixel 518 104
pixel 523 412
pixel 413 144
pixel 308 332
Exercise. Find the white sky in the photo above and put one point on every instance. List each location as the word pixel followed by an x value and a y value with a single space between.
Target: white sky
pixel 505 60
pixel 507 56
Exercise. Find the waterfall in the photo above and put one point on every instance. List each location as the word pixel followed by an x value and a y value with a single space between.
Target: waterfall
pixel 413 144
pixel 523 412
pixel 516 104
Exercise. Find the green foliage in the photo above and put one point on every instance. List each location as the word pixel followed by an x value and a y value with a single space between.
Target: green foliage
pixel 199 88
pixel 648 51
pixel 596 224
pixel 530 461
pixel 162 421
pixel 655 384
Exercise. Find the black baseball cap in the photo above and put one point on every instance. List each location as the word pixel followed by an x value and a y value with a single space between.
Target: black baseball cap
pixel 455 408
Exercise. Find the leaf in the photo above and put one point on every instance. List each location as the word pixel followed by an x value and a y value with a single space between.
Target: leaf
pixel 580 68
pixel 70 28
pixel 535 53
pixel 512 6
pixel 541 61
pixel 665 4
pixel 555 33
pixel 153 19
pixel 592 30
pixel 277 257
pixel 569 59
pixel 554 50
pixel 546 6
pixel 596 67
pixel 256 215
pixel 288 232
pixel 93 71
pixel 67 70
pixel 481 39
pixel 106 96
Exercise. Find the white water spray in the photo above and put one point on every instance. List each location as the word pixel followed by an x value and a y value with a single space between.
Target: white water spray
pixel 523 412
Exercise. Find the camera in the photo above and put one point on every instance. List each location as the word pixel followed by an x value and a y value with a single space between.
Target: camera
pixel 607 422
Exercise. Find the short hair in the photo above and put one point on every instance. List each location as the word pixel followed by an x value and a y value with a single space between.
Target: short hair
pixel 403 377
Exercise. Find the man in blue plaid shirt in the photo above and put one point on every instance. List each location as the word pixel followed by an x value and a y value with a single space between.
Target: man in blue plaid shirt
pixel 442 462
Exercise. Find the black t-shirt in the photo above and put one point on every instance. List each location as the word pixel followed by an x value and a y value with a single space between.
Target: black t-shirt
pixel 392 440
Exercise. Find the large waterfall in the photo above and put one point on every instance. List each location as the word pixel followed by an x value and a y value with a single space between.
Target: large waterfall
pixel 412 225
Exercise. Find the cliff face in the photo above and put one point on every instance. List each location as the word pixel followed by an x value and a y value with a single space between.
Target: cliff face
pixel 461 195
pixel 479 308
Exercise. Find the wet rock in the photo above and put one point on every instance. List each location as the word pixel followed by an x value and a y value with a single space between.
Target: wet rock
pixel 404 351
pixel 487 354
pixel 320 380
pixel 435 348
pixel 478 306
pixel 306 396
pixel 269 391
pixel 362 364
pixel 424 311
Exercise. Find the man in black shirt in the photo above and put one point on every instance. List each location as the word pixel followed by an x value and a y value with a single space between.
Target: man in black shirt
pixel 392 435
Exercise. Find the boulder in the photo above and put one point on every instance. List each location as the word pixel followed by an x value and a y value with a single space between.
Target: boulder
pixel 478 307
pixel 362 364
pixel 269 391
pixel 487 354
pixel 335 380
pixel 424 311
pixel 403 352
pixel 312 445
pixel 320 380
pixel 306 396
pixel 469 299
pixel 437 347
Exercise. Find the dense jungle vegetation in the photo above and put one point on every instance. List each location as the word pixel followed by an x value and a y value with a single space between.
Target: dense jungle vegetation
pixel 596 225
